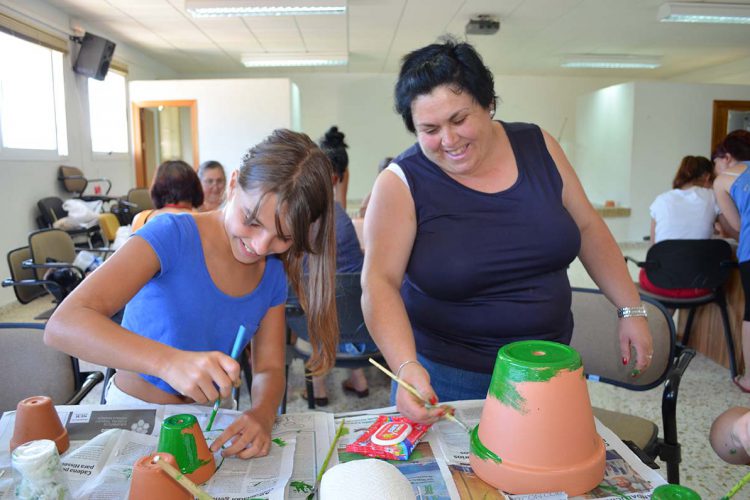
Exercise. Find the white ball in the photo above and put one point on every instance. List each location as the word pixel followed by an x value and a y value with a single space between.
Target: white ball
pixel 369 479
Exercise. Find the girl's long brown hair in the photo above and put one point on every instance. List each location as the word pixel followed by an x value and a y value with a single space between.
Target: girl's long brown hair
pixel 291 166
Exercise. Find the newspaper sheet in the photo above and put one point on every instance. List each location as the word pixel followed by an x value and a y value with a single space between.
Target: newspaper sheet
pixel 107 440
pixel 441 470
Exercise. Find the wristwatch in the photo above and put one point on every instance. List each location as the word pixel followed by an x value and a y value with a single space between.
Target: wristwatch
pixel 630 312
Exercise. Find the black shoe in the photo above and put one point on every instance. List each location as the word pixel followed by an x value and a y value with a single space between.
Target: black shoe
pixel 347 387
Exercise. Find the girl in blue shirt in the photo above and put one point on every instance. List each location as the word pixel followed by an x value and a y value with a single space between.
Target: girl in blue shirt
pixel 190 280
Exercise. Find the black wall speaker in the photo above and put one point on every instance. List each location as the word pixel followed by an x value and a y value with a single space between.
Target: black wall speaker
pixel 94 57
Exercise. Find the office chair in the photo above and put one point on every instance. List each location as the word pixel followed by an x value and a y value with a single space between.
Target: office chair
pixel 351 326
pixel 73 181
pixel 595 338
pixel 25 284
pixel 51 210
pixel 141 198
pixel 33 369
pixel 706 264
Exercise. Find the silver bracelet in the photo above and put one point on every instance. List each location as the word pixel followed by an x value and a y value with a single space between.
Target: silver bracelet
pixel 632 312
pixel 402 365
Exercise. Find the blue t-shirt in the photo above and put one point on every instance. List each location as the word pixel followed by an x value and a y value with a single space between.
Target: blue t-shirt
pixel 487 269
pixel 182 307
pixel 740 193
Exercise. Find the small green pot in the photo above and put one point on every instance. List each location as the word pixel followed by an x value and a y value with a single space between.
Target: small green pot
pixel 674 492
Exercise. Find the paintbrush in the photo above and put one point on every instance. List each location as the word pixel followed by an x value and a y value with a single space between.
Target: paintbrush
pixel 235 353
pixel 737 487
pixel 415 392
pixel 183 481
pixel 323 468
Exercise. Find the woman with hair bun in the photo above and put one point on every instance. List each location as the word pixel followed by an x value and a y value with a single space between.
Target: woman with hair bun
pixel 333 145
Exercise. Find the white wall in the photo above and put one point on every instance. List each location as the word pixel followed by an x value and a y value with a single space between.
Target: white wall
pixel 233 114
pixel 637 134
pixel 362 107
pixel 23 181
pixel 604 143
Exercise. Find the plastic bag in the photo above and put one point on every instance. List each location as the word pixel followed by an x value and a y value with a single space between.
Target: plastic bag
pixel 123 233
pixel 83 213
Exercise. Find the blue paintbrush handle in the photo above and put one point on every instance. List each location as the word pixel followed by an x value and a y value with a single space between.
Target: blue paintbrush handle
pixel 238 342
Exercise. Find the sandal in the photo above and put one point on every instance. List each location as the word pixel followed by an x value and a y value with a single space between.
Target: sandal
pixel 348 387
pixel 318 401
pixel 736 381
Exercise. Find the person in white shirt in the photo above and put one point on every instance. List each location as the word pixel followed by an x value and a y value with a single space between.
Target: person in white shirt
pixel 686 212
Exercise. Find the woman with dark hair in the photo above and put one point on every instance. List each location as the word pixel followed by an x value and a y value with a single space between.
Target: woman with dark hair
pixel 175 188
pixel 190 280
pixel 332 143
pixel 687 212
pixel 469 234
pixel 348 260
pixel 732 188
pixel 214 182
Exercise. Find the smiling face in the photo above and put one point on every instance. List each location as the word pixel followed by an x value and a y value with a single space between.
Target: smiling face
pixel 252 233
pixel 453 130
pixel 213 182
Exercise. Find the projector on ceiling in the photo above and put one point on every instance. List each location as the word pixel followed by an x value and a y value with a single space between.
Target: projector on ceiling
pixel 483 25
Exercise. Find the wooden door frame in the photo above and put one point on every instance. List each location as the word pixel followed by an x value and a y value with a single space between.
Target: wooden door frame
pixel 140 165
pixel 721 116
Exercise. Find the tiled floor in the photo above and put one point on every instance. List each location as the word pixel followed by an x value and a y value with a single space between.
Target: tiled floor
pixel 705 392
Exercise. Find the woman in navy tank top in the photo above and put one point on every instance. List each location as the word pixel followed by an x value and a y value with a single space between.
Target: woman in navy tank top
pixel 469 235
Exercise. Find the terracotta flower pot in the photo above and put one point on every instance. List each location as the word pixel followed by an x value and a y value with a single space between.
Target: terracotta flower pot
pixel 36 418
pixel 537 432
pixel 150 481
pixel 182 437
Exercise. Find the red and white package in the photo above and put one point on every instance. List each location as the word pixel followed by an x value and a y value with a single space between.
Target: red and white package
pixel 391 438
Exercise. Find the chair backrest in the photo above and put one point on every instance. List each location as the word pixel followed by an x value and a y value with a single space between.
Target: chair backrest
pixel 141 198
pixel 595 338
pixel 50 210
pixel 51 245
pixel 351 321
pixel 25 293
pixel 72 179
pixel 689 263
pixel 31 368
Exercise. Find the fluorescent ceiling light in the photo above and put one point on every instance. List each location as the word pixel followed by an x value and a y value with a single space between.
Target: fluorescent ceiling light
pixel 286 60
pixel 612 61
pixel 722 13
pixel 213 8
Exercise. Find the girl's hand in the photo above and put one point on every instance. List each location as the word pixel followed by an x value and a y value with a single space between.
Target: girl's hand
pixel 409 405
pixel 633 332
pixel 198 374
pixel 249 435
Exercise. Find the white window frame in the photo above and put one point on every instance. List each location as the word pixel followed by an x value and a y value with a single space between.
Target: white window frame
pixel 21 154
pixel 112 156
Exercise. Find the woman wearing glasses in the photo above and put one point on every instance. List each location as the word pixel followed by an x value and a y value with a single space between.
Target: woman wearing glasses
pixel 214 182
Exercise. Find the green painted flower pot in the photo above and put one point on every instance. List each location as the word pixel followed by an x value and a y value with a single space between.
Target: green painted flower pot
pixel 537 432
pixel 182 437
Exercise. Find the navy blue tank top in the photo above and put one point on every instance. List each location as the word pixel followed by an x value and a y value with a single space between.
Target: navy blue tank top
pixel 487 269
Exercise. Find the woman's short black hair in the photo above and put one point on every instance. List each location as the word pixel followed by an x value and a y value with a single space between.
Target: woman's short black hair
pixel 176 181
pixel 333 145
pixel 737 144
pixel 451 63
